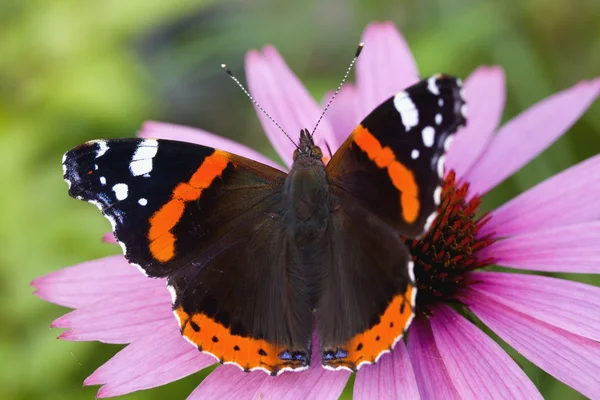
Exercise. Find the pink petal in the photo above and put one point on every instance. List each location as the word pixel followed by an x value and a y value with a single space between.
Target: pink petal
pixel 530 133
pixel 160 357
pixel 431 373
pixel 342 115
pixel 391 378
pixel 567 198
pixel 385 67
pixel 573 249
pixel 161 130
pixel 91 281
pixel 571 306
pixel 109 238
pixel 479 368
pixel 121 318
pixel 570 358
pixel 228 382
pixel 279 91
pixel 485 93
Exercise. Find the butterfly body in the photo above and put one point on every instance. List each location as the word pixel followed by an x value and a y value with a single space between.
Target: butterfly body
pixel 257 259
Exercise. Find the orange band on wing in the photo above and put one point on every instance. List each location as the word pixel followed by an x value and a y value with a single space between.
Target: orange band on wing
pixel 214 338
pixel 162 240
pixel 402 178
pixel 368 346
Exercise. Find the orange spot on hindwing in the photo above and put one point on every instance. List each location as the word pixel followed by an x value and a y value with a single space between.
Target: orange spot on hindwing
pixel 162 240
pixel 402 178
pixel 248 353
pixel 368 346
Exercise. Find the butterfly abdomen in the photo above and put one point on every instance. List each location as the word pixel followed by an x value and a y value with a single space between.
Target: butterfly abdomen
pixel 306 193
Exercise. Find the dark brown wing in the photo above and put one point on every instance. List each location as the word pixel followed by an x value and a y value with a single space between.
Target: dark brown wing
pixel 368 295
pixel 212 223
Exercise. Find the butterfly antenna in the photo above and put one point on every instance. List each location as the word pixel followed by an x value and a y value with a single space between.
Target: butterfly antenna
pixel 226 68
pixel 329 149
pixel 358 50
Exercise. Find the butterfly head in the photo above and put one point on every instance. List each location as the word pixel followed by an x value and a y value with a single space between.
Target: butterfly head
pixel 307 147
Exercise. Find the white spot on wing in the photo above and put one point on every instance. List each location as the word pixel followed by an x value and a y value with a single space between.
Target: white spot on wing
pixel 146 149
pixel 341 367
pixel 381 355
pixel 141 162
pixel 179 322
pixel 411 271
pixel 432 85
pixel 438 118
pixel 120 190
pixel 440 102
pixel 112 221
pixel 103 148
pixel 142 201
pixel 406 108
pixel 430 220
pixel 414 154
pixel 139 267
pixel 448 142
pixel 437 195
pixel 172 292
pixel 96 203
pixel 440 166
pixel 428 134
pixel 463 110
pixel 140 167
pixel 103 180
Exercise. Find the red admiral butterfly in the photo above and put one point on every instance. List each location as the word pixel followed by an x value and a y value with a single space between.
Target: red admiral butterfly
pixel 252 255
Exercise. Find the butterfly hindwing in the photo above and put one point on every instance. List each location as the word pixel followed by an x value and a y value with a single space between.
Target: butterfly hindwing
pixel 368 295
pixel 385 185
pixel 212 223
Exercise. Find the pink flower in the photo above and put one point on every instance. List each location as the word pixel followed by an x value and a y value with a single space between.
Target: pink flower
pixel 553 227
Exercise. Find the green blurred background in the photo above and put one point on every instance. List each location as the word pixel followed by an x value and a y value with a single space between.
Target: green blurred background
pixel 74 70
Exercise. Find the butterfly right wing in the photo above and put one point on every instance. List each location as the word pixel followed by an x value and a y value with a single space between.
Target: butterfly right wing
pixel 211 222
pixel 385 185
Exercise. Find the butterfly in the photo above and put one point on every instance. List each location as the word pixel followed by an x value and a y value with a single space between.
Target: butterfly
pixel 256 258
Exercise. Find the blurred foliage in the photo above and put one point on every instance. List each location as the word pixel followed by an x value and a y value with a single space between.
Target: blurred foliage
pixel 74 70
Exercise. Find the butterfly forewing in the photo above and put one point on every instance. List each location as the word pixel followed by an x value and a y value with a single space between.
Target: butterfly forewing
pixel 393 162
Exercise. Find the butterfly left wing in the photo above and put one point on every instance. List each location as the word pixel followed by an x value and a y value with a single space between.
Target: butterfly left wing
pixel 211 222
pixel 385 184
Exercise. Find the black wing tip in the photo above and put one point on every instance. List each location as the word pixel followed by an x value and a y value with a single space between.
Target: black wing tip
pixel 77 163
pixel 454 85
